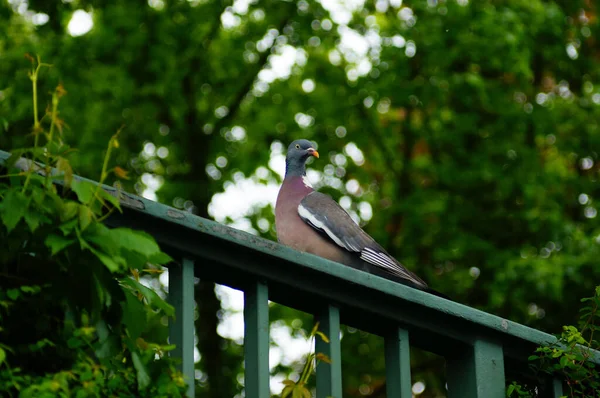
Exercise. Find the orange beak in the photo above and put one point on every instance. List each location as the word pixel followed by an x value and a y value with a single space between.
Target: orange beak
pixel 313 152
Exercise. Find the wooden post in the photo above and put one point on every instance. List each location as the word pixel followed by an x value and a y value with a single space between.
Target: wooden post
pixel 181 331
pixel 478 372
pixel 256 341
pixel 329 376
pixel 397 364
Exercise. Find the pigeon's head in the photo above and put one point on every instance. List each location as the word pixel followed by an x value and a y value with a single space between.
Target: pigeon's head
pixel 298 152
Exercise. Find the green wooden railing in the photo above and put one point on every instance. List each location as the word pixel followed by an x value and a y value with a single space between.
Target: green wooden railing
pixel 477 346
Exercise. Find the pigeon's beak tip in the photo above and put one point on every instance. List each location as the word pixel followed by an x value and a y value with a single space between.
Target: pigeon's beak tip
pixel 313 152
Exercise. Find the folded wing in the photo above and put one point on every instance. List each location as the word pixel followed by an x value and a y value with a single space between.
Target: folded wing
pixel 327 216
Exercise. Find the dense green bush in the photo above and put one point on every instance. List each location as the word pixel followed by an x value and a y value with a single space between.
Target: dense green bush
pixel 75 318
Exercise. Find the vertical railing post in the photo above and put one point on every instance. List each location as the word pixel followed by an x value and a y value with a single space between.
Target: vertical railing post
pixel 557 388
pixel 256 341
pixel 181 330
pixel 397 364
pixel 478 372
pixel 329 376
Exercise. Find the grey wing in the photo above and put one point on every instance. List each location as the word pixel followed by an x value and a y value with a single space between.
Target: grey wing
pixel 327 216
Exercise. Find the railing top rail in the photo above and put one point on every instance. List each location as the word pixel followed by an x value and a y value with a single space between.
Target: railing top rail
pixel 306 282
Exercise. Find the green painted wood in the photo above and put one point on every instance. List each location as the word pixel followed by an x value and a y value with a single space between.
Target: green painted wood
pixel 181 330
pixel 477 373
pixel 206 239
pixel 300 278
pixel 397 365
pixel 256 341
pixel 218 242
pixel 329 376
pixel 557 388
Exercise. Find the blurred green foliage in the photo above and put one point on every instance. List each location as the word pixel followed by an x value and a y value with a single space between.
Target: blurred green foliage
pixel 470 128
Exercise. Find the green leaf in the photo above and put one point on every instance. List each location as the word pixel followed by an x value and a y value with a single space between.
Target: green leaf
pixel 15 155
pixel 143 377
pixel 510 390
pixel 13 208
pixel 85 217
pixel 160 258
pixel 64 166
pixel 13 294
pixel 134 259
pixel 68 226
pixel 69 210
pixel 31 289
pixel 102 237
pixel 138 241
pixel 557 353
pixel 40 344
pixel 34 219
pixel 168 347
pixel 109 347
pixel 84 190
pixel 110 198
pixel 151 296
pixel 314 329
pixel 134 315
pixel 300 392
pixel 2 355
pixel 322 335
pixel 322 357
pixel 74 342
pixel 114 263
pixel 287 390
pixel 56 243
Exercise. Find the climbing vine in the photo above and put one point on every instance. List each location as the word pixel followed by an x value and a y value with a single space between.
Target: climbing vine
pixel 569 357
pixel 75 317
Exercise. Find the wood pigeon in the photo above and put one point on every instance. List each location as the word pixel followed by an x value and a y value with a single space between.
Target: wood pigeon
pixel 312 222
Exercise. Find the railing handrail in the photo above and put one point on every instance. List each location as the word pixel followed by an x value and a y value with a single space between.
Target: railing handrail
pixel 503 329
pixel 307 282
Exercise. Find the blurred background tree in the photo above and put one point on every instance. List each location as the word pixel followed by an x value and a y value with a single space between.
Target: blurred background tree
pixel 463 135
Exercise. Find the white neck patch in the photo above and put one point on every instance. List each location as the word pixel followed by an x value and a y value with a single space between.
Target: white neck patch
pixel 306 181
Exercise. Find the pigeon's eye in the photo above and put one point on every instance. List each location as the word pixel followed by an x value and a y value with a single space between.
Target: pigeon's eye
pixel 297 146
